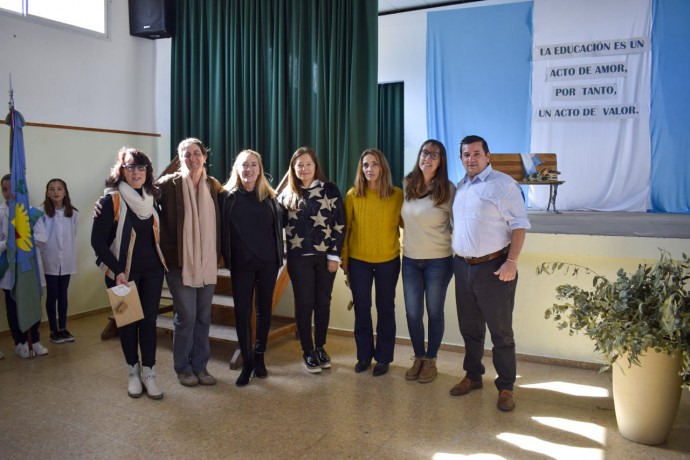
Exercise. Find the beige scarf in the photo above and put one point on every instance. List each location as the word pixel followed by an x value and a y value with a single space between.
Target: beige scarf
pixel 199 261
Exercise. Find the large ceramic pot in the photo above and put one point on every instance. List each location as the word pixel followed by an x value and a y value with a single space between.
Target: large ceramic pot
pixel 646 397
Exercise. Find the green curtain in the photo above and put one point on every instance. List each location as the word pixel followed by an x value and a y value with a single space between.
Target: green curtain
pixel 274 75
pixel 392 127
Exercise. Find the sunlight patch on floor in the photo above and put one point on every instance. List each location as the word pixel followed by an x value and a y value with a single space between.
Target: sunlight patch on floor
pixel 589 430
pixel 550 449
pixel 444 456
pixel 573 389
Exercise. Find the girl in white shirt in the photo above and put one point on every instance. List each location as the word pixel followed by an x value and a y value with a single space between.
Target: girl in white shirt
pixel 59 255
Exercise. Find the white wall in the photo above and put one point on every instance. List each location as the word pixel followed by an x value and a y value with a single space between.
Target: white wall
pixel 63 77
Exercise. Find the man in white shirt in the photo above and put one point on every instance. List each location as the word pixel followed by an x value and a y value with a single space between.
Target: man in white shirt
pixel 490 223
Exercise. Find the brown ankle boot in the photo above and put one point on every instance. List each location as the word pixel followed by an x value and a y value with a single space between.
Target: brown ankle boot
pixel 429 371
pixel 413 372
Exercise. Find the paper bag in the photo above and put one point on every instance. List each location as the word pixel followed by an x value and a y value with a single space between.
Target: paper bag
pixel 125 304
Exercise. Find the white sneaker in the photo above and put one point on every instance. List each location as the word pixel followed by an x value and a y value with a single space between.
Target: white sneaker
pixel 22 350
pixel 39 349
pixel 134 389
pixel 148 378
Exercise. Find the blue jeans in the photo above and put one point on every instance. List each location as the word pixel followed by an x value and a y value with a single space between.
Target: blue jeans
pixel 363 275
pixel 192 322
pixel 426 278
pixel 483 301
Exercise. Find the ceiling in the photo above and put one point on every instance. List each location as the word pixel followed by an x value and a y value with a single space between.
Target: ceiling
pixel 400 6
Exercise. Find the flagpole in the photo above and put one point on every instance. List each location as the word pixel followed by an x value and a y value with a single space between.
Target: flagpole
pixel 11 115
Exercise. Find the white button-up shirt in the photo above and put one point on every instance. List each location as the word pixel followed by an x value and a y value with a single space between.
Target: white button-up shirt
pixel 486 210
pixel 58 251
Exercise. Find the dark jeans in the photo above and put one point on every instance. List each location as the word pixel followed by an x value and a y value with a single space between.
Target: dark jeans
pixel 262 277
pixel 384 275
pixel 426 279
pixel 484 300
pixel 56 301
pixel 142 334
pixel 312 285
pixel 13 321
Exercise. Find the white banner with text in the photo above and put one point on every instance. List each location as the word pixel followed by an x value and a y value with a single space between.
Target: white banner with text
pixel 590 101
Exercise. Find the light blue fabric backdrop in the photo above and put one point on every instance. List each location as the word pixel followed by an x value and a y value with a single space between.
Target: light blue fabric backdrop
pixel 670 107
pixel 479 63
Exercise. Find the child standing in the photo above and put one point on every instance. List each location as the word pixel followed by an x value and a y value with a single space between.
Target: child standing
pixel 58 253
pixel 6 282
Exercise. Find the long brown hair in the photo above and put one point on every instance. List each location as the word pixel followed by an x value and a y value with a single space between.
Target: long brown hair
pixel 140 158
pixel 262 187
pixel 291 198
pixel 440 188
pixel 385 181
pixel 48 205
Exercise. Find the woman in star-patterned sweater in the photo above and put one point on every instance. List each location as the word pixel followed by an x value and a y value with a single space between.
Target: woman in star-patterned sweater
pixel 314 234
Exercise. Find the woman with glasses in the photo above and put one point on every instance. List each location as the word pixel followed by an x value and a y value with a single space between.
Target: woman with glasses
pixel 190 241
pixel 371 255
pixel 125 238
pixel 427 263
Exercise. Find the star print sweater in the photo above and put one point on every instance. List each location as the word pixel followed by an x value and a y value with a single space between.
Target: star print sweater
pixel 317 225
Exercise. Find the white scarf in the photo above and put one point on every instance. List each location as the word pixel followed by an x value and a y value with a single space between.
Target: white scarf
pixel 141 205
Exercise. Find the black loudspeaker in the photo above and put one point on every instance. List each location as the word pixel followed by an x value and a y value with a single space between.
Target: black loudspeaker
pixel 151 18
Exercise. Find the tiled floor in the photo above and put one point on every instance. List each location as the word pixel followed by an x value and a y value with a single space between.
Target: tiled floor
pixel 73 403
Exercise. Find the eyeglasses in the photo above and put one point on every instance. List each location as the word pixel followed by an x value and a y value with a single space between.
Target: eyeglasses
pixel 131 168
pixel 428 154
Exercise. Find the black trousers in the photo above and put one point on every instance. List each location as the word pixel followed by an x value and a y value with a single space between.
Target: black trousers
pixel 56 301
pixel 142 334
pixel 259 276
pixel 312 285
pixel 13 322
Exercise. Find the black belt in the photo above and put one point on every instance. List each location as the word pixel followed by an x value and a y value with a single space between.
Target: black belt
pixel 486 258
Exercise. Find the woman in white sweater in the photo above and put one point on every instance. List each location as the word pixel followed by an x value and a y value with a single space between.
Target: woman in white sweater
pixel 427 265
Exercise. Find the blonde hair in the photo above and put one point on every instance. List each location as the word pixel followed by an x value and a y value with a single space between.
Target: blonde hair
pixel 262 187
pixel 385 182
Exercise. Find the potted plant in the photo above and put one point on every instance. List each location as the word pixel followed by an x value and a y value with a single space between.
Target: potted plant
pixel 638 321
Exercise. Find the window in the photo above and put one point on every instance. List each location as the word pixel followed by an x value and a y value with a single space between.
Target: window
pixel 85 14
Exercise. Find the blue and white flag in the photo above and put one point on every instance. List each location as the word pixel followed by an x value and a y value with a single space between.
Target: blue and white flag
pixel 21 250
pixel 530 161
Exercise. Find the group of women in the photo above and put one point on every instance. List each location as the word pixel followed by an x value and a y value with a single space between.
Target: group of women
pixel 180 226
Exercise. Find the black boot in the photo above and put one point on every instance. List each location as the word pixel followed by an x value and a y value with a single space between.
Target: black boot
pixel 245 375
pixel 259 365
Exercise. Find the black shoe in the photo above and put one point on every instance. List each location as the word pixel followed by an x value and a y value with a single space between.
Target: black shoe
pixel 259 365
pixel 362 366
pixel 380 369
pixel 56 337
pixel 311 362
pixel 66 335
pixel 245 375
pixel 324 359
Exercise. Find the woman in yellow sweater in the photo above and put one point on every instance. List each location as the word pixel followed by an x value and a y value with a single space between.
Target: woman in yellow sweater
pixel 371 254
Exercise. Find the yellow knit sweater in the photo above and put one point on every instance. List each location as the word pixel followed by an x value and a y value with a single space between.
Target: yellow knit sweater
pixel 373 226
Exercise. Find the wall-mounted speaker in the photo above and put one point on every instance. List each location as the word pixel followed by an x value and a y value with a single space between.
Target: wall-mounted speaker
pixel 151 18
